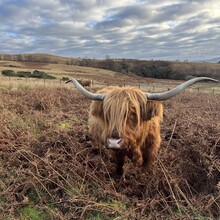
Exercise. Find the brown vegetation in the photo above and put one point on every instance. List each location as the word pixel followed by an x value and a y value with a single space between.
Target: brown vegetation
pixel 48 163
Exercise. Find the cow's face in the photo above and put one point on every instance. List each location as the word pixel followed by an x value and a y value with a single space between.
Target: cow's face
pixel 124 112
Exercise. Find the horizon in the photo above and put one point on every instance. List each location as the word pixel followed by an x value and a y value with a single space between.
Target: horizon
pixel 129 29
pixel 212 60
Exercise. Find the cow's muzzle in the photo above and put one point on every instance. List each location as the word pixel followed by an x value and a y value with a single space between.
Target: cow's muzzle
pixel 114 143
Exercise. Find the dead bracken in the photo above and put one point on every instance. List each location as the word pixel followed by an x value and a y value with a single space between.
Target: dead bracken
pixel 51 168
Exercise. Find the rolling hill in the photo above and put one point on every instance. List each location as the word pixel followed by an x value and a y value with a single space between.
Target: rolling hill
pixel 153 69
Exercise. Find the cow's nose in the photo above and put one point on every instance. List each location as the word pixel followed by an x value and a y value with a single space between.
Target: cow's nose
pixel 115 134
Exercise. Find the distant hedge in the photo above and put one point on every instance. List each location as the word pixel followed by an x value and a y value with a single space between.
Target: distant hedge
pixel 8 73
pixel 23 74
pixel 35 74
pixel 42 75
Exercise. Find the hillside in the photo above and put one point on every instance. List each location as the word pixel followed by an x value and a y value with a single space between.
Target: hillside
pixel 213 60
pixel 38 57
pixel 153 69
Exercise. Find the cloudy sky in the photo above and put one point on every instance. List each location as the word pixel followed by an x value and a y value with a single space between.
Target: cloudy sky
pixel 142 29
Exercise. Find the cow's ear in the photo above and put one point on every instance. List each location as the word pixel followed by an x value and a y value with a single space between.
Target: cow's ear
pixel 153 108
pixel 97 109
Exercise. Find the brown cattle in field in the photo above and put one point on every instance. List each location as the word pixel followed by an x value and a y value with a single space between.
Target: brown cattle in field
pixel 85 82
pixel 127 120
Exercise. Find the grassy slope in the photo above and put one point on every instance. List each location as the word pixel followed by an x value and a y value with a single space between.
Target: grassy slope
pixel 61 70
pixel 187 68
pixel 99 76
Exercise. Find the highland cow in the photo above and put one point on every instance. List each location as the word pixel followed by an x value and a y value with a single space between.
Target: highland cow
pixel 127 120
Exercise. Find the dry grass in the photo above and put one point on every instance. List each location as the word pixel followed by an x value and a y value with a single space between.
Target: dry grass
pixel 99 77
pixel 51 169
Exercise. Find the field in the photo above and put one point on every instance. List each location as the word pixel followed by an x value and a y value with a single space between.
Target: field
pixel 99 77
pixel 50 168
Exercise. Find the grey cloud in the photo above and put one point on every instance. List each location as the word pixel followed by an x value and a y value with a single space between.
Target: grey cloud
pixel 93 28
pixel 132 12
pixel 173 12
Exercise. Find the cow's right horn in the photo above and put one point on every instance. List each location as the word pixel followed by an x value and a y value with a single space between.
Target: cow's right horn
pixel 86 93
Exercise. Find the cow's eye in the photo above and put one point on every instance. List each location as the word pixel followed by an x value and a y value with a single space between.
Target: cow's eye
pixel 132 116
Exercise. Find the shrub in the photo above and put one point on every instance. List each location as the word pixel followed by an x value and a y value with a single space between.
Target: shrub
pixel 42 75
pixel 23 74
pixel 35 74
pixel 8 73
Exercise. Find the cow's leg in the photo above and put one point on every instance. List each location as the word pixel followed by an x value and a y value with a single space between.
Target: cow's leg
pixel 137 156
pixel 149 159
pixel 120 159
pixel 150 151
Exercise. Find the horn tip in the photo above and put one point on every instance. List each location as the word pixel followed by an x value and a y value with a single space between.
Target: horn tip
pixel 68 81
pixel 212 79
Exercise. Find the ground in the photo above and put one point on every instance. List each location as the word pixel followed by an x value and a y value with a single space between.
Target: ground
pixel 50 168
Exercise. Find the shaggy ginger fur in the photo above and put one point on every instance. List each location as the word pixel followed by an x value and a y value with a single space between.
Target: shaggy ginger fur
pixel 127 112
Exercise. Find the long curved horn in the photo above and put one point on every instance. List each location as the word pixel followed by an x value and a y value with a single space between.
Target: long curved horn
pixel 169 94
pixel 86 93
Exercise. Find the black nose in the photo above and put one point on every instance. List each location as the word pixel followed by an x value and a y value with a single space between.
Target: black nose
pixel 115 134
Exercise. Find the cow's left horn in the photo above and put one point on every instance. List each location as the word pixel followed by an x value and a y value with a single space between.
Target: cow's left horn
pixel 169 94
pixel 86 93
